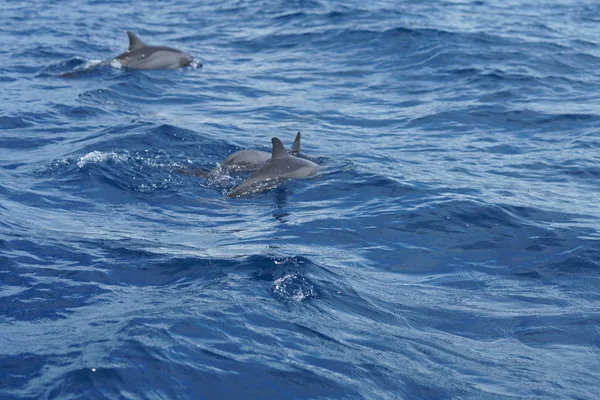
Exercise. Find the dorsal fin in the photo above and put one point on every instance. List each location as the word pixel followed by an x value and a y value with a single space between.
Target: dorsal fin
pixel 278 149
pixel 296 145
pixel 134 42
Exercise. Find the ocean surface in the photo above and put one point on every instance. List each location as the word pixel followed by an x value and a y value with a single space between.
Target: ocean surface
pixel 447 249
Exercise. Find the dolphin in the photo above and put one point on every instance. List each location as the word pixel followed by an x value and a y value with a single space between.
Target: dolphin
pixel 242 161
pixel 141 56
pixel 251 160
pixel 280 167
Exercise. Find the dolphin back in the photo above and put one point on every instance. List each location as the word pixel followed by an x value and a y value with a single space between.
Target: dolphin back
pixel 274 172
pixel 141 56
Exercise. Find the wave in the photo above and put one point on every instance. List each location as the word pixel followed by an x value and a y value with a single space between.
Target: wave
pixel 447 249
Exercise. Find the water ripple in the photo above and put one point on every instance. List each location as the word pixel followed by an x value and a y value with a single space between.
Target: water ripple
pixel 446 249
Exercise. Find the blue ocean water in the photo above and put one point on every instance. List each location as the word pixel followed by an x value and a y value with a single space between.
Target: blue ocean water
pixel 449 247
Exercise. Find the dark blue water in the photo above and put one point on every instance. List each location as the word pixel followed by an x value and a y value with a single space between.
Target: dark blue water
pixel 449 247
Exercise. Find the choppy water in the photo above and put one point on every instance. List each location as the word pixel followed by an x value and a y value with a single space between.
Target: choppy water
pixel 448 249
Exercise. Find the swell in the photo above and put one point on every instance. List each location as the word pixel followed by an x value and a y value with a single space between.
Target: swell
pixel 119 342
pixel 447 249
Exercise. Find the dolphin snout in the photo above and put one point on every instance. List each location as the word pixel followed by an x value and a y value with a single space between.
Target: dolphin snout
pixel 186 59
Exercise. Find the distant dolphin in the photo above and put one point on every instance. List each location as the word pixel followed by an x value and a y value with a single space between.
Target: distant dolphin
pixel 141 56
pixel 281 166
pixel 242 161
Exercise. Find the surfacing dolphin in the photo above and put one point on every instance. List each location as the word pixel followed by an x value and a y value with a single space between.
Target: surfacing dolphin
pixel 280 167
pixel 251 160
pixel 242 161
pixel 141 56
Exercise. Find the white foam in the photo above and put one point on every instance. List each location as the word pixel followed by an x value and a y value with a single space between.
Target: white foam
pixel 96 157
pixel 294 286
pixel 195 64
pixel 91 64
pixel 115 63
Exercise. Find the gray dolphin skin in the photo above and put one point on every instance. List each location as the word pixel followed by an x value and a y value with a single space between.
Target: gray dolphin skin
pixel 245 160
pixel 251 160
pixel 141 56
pixel 241 161
pixel 280 167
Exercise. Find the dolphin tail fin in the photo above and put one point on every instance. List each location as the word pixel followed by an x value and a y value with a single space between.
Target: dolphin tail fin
pixel 134 41
pixel 192 172
pixel 278 149
pixel 296 145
